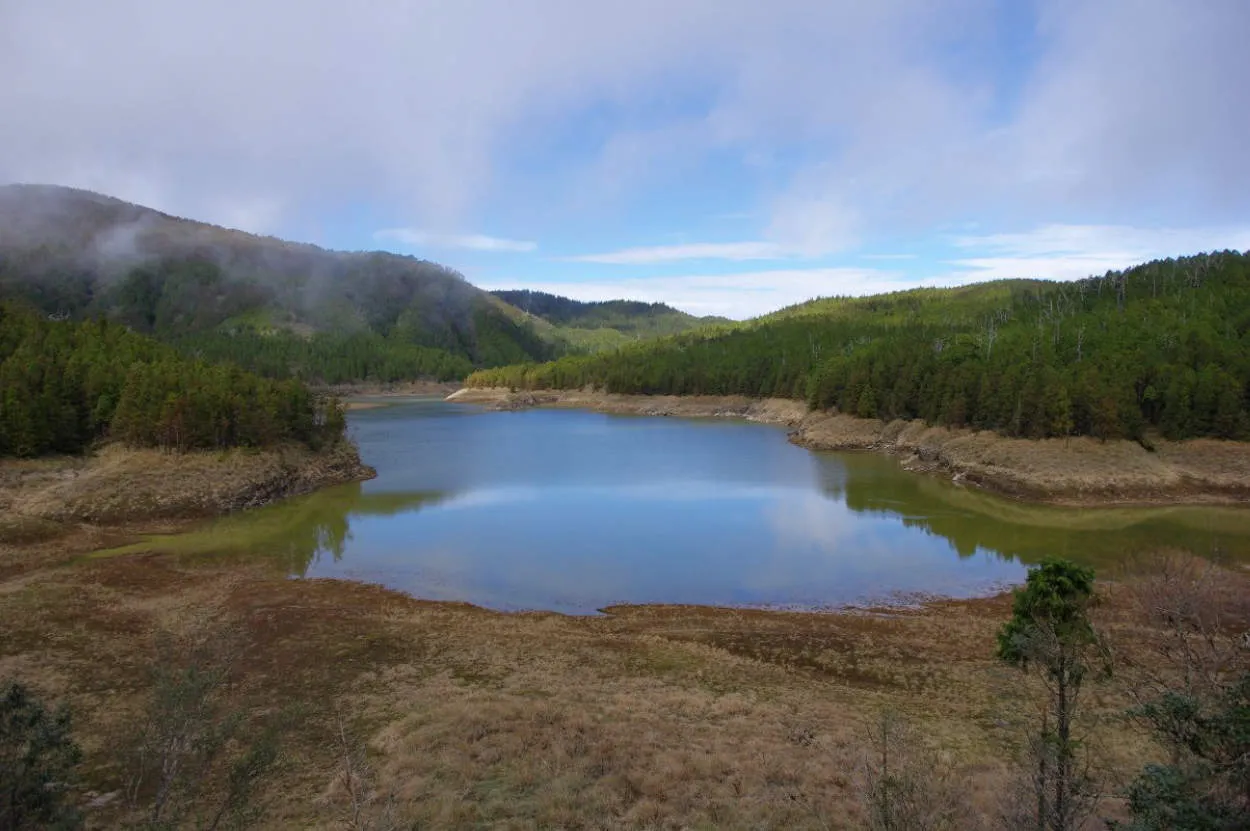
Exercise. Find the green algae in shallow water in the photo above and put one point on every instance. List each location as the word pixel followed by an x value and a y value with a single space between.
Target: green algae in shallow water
pixel 574 511
pixel 290 534
pixel 974 520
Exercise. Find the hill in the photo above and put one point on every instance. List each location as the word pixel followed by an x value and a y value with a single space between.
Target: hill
pixel 281 308
pixel 597 326
pixel 1163 346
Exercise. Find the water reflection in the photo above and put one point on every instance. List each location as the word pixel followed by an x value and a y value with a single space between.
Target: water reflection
pixel 975 521
pixel 573 511
pixel 295 535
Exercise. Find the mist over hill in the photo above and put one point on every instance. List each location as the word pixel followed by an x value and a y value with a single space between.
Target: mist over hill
pixel 284 308
pixel 277 306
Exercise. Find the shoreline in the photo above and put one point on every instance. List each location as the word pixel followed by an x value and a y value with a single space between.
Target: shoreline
pixel 1076 472
pixel 698 715
pixel 117 486
pixel 396 389
pixel 416 677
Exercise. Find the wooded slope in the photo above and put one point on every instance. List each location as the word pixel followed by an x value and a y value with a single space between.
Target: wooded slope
pixel 1164 345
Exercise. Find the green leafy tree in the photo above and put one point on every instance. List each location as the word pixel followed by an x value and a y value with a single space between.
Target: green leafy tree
pixel 198 762
pixel 38 758
pixel 1050 634
pixel 1207 786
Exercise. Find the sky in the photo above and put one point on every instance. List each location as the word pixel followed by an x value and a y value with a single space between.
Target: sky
pixel 729 157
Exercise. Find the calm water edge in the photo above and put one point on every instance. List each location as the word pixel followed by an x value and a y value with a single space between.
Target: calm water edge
pixel 573 511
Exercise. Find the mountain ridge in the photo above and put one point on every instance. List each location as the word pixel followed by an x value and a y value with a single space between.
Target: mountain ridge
pixel 279 307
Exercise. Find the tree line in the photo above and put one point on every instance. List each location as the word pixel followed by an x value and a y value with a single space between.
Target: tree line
pixel 66 385
pixel 1163 346
pixel 326 358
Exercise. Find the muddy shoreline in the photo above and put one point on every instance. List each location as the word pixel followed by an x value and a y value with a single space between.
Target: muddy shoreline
pixel 658 715
pixel 43 498
pixel 398 388
pixel 1075 472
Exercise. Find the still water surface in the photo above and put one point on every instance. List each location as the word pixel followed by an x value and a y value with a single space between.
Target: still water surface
pixel 574 511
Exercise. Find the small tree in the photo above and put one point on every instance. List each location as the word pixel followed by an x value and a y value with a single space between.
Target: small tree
pixel 37 761
pixel 905 787
pixel 1207 786
pixel 1193 694
pixel 196 760
pixel 1050 634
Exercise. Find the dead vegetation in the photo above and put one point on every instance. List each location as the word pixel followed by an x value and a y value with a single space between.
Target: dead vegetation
pixel 42 498
pixel 414 714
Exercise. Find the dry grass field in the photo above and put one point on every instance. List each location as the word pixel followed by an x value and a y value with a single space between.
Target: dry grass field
pixel 398 713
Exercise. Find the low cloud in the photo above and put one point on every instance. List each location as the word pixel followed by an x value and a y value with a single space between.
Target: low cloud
pixel 473 242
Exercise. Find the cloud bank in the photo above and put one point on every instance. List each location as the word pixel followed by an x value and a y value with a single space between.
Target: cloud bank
pixel 829 126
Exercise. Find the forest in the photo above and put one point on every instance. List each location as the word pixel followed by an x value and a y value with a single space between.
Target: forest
pixel 82 255
pixel 66 385
pixel 1162 347
pixel 630 317
pixel 285 309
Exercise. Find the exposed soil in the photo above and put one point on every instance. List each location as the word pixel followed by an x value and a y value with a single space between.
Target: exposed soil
pixel 398 388
pixel 645 717
pixel 1079 471
pixel 45 497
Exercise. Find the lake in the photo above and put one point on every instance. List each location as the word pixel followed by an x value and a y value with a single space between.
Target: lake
pixel 573 511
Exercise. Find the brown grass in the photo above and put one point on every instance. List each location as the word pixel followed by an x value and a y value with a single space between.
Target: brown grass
pixel 119 484
pixel 647 717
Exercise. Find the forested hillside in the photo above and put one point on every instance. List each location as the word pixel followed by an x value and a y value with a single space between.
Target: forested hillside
pixel 595 326
pixel 281 308
pixel 1164 346
pixel 65 385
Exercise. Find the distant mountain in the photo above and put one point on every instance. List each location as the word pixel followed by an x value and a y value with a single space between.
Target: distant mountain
pixel 1163 347
pixel 602 325
pixel 279 307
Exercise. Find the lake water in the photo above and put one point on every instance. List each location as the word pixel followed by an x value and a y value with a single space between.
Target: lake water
pixel 573 511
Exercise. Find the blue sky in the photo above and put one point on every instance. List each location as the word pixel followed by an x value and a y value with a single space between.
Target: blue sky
pixel 726 156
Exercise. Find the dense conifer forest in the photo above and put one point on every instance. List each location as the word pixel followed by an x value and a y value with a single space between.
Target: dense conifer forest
pixel 1164 347
pixel 65 385
pixel 632 318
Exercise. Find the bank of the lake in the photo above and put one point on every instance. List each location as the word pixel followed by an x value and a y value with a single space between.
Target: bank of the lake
pixel 653 716
pixel 372 389
pixel 1078 471
pixel 647 716
pixel 117 484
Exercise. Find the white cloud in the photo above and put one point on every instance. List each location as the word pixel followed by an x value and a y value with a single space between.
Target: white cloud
pixel 1070 252
pixel 800 227
pixel 843 119
pixel 737 296
pixel 473 242
pixel 813 226
pixel 691 251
